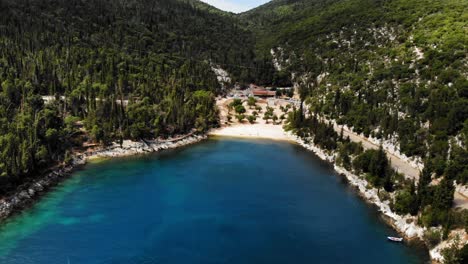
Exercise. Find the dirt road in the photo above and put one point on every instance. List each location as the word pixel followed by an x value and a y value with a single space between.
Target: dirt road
pixel 399 164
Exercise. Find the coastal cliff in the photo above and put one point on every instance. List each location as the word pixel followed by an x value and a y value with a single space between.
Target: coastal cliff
pixel 406 225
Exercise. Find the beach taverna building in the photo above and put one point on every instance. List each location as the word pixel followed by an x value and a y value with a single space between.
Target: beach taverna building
pixel 261 91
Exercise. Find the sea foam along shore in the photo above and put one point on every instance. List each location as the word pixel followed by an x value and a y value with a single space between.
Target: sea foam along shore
pixel 28 193
pixel 406 225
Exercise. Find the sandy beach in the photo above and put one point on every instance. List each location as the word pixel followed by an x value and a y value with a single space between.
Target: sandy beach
pixel 268 131
pixel 260 129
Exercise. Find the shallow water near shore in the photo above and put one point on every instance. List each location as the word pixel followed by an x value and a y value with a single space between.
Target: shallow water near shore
pixel 219 201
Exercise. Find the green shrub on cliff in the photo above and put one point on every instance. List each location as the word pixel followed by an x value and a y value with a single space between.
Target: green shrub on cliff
pixel 432 237
pixel 454 254
pixel 406 201
pixel 375 164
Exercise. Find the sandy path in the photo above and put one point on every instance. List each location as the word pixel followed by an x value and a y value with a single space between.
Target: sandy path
pixel 397 163
pixel 460 201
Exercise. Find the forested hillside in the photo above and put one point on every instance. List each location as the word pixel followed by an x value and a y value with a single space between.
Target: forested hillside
pixel 119 69
pixel 392 69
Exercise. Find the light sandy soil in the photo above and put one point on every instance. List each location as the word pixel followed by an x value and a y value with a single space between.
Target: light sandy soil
pixel 260 129
pixel 269 131
pixel 460 201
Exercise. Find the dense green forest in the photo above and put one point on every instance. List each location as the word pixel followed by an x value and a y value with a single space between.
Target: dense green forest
pixel 118 69
pixel 391 69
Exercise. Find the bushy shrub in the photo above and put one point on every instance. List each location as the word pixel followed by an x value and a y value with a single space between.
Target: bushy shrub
pixel 432 237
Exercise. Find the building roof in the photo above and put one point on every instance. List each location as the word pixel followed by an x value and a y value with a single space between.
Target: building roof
pixel 263 92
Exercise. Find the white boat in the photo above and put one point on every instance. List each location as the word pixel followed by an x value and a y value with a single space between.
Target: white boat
pixel 395 239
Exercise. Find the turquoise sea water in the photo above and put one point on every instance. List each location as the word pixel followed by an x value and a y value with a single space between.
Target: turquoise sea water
pixel 220 201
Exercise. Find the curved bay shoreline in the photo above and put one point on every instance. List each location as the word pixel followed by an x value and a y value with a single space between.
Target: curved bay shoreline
pixel 405 225
pixel 30 192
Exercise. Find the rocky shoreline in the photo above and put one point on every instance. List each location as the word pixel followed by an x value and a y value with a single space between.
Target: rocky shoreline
pixel 30 192
pixel 406 225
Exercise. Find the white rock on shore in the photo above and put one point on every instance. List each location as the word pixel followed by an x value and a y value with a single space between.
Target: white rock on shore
pixel 406 224
pixel 459 235
pixel 26 193
pixel 130 148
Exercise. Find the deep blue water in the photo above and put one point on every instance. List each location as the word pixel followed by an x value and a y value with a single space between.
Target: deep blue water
pixel 220 201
